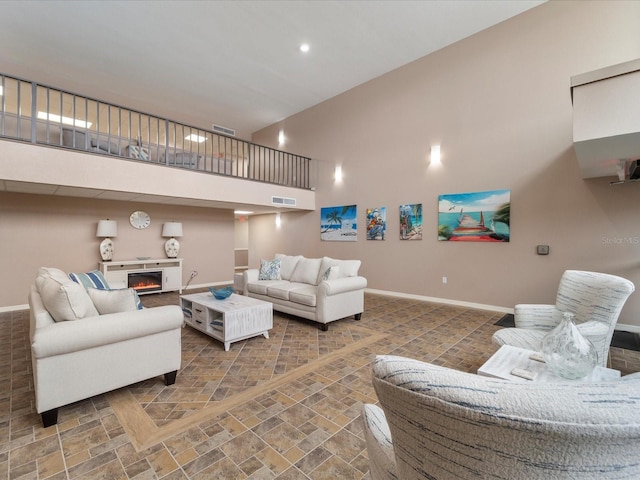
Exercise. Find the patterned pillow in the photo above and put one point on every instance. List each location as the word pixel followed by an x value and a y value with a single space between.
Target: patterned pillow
pixel 269 269
pixel 94 279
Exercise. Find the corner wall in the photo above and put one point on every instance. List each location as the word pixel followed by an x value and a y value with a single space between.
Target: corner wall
pixel 499 105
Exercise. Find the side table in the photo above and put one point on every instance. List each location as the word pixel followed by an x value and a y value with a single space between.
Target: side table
pixel 502 363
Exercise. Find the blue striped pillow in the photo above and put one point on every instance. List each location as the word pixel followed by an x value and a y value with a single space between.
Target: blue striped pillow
pixel 94 279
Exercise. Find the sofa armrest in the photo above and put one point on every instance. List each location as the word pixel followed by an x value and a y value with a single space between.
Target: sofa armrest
pixel 91 332
pixel 340 285
pixel 535 316
pixel 249 276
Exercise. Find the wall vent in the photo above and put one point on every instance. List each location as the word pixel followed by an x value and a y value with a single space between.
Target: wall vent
pixel 289 202
pixel 224 130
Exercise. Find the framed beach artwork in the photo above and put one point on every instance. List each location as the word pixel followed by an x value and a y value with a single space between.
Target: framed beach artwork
pixel 411 221
pixel 475 217
pixel 339 224
pixel 376 223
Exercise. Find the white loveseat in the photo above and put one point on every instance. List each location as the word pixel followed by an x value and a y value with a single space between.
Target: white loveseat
pixel 77 352
pixel 320 289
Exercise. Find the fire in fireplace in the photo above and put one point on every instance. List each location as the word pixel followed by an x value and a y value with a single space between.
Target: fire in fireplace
pixel 145 282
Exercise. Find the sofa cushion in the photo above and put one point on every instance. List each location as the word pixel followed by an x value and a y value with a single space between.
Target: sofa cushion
pixel 281 290
pixel 287 264
pixel 331 273
pixel 347 268
pixel 55 273
pixel 65 301
pixel 306 271
pixel 262 286
pixel 114 301
pixel 269 269
pixel 94 279
pixel 304 294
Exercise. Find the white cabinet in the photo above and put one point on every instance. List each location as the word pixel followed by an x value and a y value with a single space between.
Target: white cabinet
pixel 170 273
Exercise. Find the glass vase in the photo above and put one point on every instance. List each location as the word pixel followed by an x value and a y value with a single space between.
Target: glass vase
pixel 567 352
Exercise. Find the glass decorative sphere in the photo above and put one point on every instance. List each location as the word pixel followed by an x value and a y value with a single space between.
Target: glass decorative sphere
pixel 567 352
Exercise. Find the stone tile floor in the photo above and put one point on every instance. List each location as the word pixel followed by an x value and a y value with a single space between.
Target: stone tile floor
pixel 287 407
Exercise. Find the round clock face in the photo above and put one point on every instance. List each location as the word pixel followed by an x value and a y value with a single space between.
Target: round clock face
pixel 140 219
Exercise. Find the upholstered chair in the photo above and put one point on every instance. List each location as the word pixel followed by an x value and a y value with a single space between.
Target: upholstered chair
pixel 438 423
pixel 596 299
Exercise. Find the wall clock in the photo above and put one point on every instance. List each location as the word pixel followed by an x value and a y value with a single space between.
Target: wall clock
pixel 140 219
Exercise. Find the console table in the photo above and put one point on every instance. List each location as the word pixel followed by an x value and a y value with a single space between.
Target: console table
pixel 117 272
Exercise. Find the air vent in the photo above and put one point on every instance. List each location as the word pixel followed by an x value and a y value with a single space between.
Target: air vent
pixel 289 202
pixel 224 130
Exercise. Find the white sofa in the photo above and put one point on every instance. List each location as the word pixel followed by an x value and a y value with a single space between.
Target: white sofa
pixel 320 289
pixel 77 352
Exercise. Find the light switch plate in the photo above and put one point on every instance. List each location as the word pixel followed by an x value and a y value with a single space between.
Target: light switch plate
pixel 542 249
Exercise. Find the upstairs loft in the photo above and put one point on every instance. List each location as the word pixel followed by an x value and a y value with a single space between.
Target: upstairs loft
pixel 96 149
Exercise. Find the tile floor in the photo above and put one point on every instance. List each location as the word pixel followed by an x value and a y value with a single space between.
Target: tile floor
pixel 287 407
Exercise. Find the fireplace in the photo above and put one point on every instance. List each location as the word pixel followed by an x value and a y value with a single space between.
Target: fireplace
pixel 145 282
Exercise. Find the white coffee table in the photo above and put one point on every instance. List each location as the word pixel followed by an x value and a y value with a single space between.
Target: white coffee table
pixel 502 363
pixel 230 320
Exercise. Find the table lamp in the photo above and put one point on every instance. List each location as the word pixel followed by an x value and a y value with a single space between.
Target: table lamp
pixel 107 229
pixel 172 229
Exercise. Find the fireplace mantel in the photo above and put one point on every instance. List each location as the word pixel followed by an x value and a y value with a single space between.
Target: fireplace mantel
pixel 117 272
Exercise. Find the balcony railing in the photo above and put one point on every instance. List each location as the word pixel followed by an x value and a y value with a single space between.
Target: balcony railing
pixel 48 116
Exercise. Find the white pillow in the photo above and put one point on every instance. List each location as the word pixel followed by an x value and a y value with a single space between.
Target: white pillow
pixel 65 301
pixel 347 268
pixel 287 265
pixel 306 271
pixel 54 273
pixel 114 301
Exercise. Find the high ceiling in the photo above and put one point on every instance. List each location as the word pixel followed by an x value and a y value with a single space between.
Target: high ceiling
pixel 233 63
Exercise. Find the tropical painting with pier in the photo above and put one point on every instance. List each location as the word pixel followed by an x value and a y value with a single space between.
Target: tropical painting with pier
pixel 339 224
pixel 475 217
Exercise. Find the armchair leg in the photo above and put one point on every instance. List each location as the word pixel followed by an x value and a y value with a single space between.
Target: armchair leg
pixel 49 418
pixel 358 316
pixel 170 378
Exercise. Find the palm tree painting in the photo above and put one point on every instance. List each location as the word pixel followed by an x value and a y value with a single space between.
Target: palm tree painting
pixel 411 221
pixel 339 224
pixel 475 217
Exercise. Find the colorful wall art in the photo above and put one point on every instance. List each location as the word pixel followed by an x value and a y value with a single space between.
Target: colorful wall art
pixel 475 217
pixel 339 224
pixel 376 223
pixel 411 222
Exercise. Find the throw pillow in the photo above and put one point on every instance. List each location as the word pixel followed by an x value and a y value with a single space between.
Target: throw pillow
pixel 114 301
pixel 269 269
pixel 94 279
pixel 65 301
pixel 306 271
pixel 331 273
pixel 287 264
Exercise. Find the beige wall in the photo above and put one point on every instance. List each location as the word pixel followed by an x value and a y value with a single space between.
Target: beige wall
pixel 499 104
pixel 44 230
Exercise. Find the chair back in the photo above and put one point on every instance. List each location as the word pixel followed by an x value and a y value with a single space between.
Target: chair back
pixel 593 296
pixel 448 424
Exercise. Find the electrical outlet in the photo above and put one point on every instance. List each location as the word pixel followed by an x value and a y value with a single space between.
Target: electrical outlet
pixel 444 279
pixel 542 249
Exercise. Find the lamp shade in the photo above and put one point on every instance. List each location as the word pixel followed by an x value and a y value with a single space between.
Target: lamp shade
pixel 172 229
pixel 107 228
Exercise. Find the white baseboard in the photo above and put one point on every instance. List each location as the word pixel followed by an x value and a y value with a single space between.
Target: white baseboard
pixel 628 328
pixel 14 308
pixel 446 301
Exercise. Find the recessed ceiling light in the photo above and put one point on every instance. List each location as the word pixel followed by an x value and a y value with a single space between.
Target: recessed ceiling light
pixel 0 90
pixel 195 138
pixel 304 47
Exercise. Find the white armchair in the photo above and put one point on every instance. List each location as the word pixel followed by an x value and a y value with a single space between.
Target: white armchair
pixel 438 423
pixel 596 299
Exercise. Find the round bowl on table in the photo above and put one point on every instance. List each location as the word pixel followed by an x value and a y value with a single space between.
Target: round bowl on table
pixel 221 293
